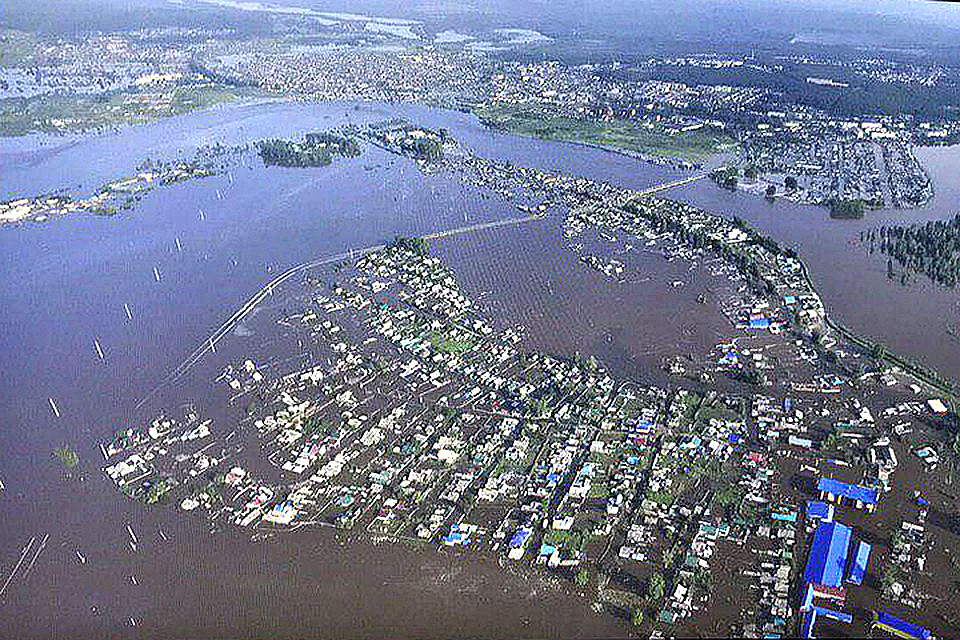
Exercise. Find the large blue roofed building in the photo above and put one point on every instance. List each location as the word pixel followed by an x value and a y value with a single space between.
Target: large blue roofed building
pixel 836 490
pixel 901 628
pixel 828 555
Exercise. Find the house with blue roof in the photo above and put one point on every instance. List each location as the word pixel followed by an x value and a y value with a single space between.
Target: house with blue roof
pixel 518 543
pixel 817 510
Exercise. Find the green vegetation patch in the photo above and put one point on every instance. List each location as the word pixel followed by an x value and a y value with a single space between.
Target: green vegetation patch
pixel 318 150
pixel 847 209
pixel 718 411
pixel 158 490
pixel 67 457
pixel 445 344
pixel 542 123
pixel 569 541
pixel 419 246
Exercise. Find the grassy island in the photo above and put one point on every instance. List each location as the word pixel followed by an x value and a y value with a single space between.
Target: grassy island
pixel 541 122
pixel 847 209
pixel 317 150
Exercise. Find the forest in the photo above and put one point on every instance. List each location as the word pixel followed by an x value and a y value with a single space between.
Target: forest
pixel 932 248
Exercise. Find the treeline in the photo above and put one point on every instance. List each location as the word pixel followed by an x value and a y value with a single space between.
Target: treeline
pixel 846 209
pixel 864 95
pixel 419 246
pixel 317 151
pixel 419 143
pixel 339 145
pixel 726 177
pixel 427 149
pixel 932 249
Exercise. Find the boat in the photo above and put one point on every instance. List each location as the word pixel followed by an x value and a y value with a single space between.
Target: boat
pixel 81 557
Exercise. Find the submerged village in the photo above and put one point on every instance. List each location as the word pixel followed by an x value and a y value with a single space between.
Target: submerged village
pixel 793 480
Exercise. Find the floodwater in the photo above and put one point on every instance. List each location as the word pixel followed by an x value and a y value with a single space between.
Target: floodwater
pixel 66 283
pixel 912 320
pixel 555 297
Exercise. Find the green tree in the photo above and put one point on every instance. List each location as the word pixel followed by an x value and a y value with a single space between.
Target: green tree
pixel 637 616
pixel 583 578
pixel 67 457
pixel 592 364
pixel 877 352
pixel 656 587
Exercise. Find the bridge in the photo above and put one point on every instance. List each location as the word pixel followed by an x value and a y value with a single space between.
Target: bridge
pixel 672 185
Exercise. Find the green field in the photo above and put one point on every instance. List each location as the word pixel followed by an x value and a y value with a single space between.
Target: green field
pixel 538 122
pixel 61 112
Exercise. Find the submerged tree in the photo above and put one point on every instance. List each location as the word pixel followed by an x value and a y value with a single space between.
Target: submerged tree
pixel 67 457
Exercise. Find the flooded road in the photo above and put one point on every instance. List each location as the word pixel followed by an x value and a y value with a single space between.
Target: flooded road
pixel 73 283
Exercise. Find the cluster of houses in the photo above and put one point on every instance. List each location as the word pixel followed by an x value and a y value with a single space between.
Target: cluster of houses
pixel 118 194
pixel 869 160
pixel 409 416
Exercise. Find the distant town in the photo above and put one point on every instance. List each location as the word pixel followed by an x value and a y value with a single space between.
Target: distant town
pixel 800 140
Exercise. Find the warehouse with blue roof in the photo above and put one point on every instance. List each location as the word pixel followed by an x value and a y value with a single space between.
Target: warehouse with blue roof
pixel 828 555
pixel 859 567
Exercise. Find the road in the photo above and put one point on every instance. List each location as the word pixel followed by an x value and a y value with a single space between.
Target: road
pixel 209 344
